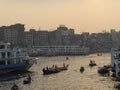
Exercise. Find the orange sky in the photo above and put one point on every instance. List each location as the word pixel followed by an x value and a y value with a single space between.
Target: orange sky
pixel 82 15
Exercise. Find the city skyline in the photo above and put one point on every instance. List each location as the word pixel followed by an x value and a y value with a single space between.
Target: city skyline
pixel 81 15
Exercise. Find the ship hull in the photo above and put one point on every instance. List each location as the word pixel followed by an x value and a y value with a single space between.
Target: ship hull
pixel 15 67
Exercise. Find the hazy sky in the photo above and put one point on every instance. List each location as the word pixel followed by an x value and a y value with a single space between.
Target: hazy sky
pixel 82 15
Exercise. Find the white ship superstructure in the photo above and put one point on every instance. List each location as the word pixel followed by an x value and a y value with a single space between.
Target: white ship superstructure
pixel 115 61
pixel 61 50
pixel 12 59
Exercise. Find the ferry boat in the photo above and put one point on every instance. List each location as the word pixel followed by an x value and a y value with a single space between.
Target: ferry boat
pixel 59 50
pixel 13 59
pixel 115 62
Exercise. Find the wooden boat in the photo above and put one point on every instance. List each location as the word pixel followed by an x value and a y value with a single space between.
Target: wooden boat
pixel 27 80
pixel 117 86
pixel 82 69
pixel 12 59
pixel 92 63
pixel 54 69
pixel 14 87
pixel 99 54
pixel 67 58
pixel 103 70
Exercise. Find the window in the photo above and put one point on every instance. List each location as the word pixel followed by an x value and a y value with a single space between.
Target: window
pixel 2 46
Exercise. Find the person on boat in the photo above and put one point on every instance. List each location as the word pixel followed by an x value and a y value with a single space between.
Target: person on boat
pixel 53 66
pixel 27 80
pixel 56 67
pixel 29 77
pixel 14 87
pixel 63 64
pixel 43 69
pixel 47 68
pixel 67 58
pixel 91 61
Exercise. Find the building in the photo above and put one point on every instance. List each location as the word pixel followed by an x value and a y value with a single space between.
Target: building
pixel 76 39
pixel 28 39
pixel 2 36
pixel 60 35
pixel 115 37
pixel 43 37
pixel 36 38
pixel 13 34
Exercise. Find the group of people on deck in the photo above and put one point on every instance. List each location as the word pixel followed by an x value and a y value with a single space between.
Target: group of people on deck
pixel 92 63
pixel 54 67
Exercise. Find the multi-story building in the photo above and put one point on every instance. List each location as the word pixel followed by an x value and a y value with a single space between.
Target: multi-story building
pixel 52 38
pixel 115 37
pixel 66 40
pixel 77 39
pixel 28 39
pixel 60 34
pixel 43 37
pixel 2 36
pixel 13 34
pixel 36 38
pixel 100 42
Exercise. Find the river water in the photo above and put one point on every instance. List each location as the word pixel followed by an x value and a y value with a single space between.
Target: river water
pixel 71 79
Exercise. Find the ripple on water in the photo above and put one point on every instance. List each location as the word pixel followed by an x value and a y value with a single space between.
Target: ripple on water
pixel 71 79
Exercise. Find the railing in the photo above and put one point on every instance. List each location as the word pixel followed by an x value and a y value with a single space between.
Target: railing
pixel 14 58
pixel 3 50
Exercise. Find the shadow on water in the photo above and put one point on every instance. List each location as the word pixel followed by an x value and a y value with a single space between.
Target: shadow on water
pixel 14 75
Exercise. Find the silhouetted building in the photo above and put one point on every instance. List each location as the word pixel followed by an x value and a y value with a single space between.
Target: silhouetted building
pixel 28 39
pixel 57 36
pixel 76 39
pixel 115 37
pixel 13 34
pixel 2 36
pixel 36 38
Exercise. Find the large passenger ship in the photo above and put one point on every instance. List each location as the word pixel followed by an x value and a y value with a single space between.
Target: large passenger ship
pixel 58 50
pixel 13 59
pixel 115 61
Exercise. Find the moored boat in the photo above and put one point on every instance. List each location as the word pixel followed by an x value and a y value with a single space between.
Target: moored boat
pixel 13 59
pixel 99 54
pixel 103 70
